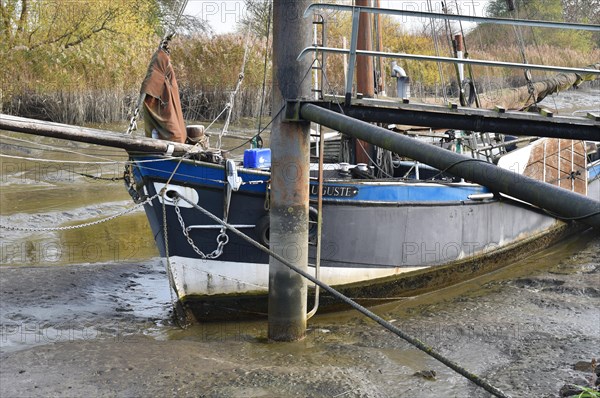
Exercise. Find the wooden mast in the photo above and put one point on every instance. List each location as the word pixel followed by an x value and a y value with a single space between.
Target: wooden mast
pixel 364 64
pixel 365 82
pixel 381 69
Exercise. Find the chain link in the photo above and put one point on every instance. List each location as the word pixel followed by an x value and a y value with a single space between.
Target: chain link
pixel 222 238
pixel 169 267
pixel 89 224
pixel 133 121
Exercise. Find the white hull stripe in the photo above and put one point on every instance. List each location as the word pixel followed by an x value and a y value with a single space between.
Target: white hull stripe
pixel 212 277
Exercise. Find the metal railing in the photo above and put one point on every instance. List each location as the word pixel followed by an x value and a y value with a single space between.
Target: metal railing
pixel 353 51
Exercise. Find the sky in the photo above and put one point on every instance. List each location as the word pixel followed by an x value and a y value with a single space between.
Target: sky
pixel 224 15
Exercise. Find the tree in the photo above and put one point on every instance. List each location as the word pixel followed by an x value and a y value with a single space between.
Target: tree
pixel 549 10
pixel 62 45
pixel 168 12
pixel 257 17
pixel 583 11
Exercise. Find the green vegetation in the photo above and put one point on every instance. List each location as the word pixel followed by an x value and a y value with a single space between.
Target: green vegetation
pixel 83 61
pixel 560 47
pixel 61 44
pixel 587 392
pixel 581 11
pixel 208 69
pixel 65 48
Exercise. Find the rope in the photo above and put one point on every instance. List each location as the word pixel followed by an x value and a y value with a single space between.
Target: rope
pixel 260 132
pixel 381 170
pixel 181 10
pixel 274 117
pixel 456 163
pixel 82 162
pixel 389 326
pixel 437 51
pixel 527 72
pixel 473 90
pixel 229 105
pixel 100 178
pixel 264 83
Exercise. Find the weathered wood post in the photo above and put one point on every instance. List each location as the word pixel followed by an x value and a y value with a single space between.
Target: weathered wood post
pixel 364 65
pixel 365 80
pixel 290 173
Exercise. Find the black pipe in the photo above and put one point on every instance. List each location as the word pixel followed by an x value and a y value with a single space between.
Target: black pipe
pixel 536 128
pixel 558 201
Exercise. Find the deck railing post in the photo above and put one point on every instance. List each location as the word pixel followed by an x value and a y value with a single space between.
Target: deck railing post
pixel 352 57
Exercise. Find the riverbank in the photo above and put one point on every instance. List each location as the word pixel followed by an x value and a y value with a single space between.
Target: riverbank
pixel 106 330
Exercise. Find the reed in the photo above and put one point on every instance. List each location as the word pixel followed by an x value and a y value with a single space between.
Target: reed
pixel 542 54
pixel 207 69
pixel 74 107
pixel 109 106
pixel 209 102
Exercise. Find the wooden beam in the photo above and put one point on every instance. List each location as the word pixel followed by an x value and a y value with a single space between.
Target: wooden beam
pixel 92 136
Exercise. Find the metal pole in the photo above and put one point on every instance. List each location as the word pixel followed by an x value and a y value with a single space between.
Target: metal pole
pixel 470 61
pixel 290 175
pixel 379 30
pixel 464 18
pixel 561 203
pixel 352 57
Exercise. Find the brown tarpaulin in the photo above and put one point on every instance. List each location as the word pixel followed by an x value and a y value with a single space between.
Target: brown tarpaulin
pixel 162 107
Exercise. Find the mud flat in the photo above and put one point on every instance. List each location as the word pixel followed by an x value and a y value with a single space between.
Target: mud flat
pixel 105 330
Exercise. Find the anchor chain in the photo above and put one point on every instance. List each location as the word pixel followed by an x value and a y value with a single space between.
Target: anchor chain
pixel 222 238
pixel 89 224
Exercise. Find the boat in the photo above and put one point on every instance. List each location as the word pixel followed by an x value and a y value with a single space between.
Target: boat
pixel 418 229
pixel 381 238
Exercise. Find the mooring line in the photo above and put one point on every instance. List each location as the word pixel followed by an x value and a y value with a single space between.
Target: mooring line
pixel 389 326
pixel 112 162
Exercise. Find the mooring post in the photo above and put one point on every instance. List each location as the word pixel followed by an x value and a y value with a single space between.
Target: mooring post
pixel 290 174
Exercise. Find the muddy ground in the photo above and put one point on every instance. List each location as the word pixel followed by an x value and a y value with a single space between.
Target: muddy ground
pixel 106 331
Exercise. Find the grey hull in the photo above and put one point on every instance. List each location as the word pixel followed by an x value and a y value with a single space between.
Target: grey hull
pixel 376 235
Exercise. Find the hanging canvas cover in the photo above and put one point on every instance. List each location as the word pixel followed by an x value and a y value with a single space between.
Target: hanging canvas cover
pixel 163 117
